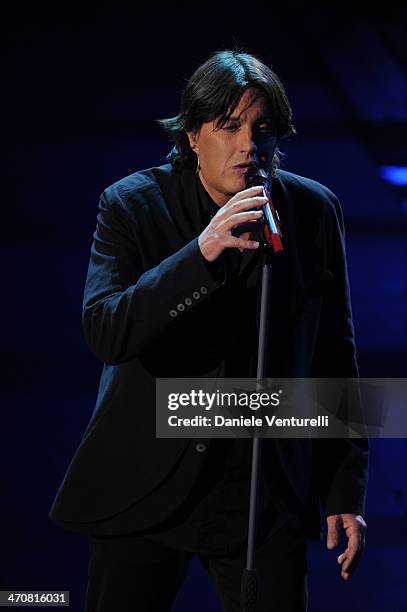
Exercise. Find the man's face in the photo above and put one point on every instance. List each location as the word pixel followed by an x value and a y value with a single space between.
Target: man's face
pixel 246 137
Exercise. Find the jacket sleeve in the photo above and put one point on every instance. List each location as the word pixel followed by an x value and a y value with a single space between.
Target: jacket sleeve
pixel 341 464
pixel 125 307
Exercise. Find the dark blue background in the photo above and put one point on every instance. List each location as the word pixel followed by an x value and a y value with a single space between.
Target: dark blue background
pixel 85 88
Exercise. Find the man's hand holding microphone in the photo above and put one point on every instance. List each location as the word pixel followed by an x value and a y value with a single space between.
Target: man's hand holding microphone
pixel 217 236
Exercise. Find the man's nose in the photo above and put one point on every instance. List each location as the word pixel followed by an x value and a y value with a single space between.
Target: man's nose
pixel 247 142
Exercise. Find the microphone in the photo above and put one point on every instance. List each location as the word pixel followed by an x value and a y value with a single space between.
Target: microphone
pixel 257 176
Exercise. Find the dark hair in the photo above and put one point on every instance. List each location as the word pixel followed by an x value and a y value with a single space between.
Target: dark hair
pixel 213 92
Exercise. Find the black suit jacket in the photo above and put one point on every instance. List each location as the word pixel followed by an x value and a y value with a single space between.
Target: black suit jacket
pixel 145 315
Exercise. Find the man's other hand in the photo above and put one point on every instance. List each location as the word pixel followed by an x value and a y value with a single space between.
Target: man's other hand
pixel 355 528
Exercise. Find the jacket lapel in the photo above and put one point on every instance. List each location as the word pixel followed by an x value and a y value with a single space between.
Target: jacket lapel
pixel 181 197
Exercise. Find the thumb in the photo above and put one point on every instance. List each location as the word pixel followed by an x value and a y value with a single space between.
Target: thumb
pixel 332 539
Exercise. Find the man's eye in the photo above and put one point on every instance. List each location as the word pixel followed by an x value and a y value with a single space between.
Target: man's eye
pixel 265 128
pixel 230 127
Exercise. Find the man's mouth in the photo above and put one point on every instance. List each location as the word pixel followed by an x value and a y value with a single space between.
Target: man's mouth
pixel 243 167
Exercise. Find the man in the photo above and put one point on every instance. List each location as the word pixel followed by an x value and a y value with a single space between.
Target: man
pixel 171 291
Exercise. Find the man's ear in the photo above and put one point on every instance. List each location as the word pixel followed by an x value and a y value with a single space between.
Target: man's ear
pixel 193 141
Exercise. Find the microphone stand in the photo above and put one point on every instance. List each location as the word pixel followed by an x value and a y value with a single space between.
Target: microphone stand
pixel 271 245
pixel 249 583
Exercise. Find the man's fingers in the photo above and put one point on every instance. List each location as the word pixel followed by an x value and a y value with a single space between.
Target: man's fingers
pixel 249 203
pixel 350 558
pixel 232 241
pixel 332 539
pixel 246 193
pixel 348 564
pixel 238 218
pixel 342 557
pixel 355 528
pixel 244 236
pixel 334 523
pixel 234 207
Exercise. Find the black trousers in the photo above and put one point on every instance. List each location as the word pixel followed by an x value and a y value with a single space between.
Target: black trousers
pixel 131 573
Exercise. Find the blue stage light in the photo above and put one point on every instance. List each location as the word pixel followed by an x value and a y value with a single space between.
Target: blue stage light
pixel 396 175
